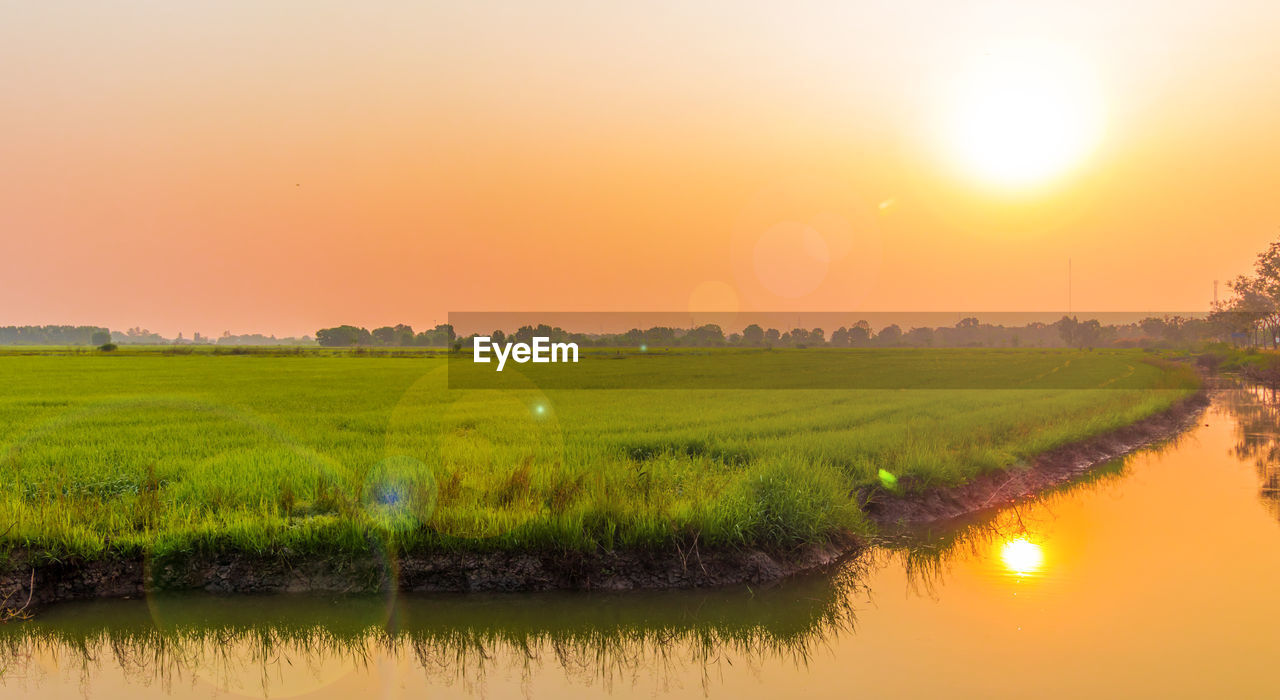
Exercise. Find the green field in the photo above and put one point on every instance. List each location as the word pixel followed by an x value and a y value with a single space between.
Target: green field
pixel 163 454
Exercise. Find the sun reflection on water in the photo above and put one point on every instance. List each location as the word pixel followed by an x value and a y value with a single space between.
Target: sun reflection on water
pixel 1021 556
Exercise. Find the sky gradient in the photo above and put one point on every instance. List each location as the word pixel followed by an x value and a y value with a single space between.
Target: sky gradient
pixel 279 167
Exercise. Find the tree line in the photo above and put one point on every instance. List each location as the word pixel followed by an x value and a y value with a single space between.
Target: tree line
pixel 968 332
pixel 1069 331
pixel 400 335
pixel 54 335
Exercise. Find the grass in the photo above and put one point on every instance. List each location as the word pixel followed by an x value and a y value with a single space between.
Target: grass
pixel 324 452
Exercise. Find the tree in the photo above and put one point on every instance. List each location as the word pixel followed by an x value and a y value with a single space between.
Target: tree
pixel 1082 334
pixel 753 335
pixel 1090 334
pixel 101 338
pixel 860 334
pixel 343 337
pixel 1255 303
pixel 889 335
pixel 1067 326
pixel 705 336
pixel 922 337
pixel 403 334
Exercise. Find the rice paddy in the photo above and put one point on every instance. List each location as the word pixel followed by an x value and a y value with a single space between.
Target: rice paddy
pixel 171 454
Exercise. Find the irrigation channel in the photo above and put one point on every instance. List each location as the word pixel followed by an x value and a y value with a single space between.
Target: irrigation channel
pixel 1157 575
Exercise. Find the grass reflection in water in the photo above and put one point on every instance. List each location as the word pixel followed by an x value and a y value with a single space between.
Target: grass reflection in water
pixel 594 638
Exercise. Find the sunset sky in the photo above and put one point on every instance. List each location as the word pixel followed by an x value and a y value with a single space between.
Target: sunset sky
pixel 281 166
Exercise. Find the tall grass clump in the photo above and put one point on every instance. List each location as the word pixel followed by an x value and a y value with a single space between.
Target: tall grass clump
pixel 789 501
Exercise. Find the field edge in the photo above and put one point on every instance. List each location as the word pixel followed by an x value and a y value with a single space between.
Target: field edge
pixel 1059 466
pixel 29 581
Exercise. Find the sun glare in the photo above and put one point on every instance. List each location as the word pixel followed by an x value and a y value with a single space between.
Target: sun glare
pixel 1021 556
pixel 1023 115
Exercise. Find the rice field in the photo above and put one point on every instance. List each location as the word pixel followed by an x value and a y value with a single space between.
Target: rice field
pixel 172 454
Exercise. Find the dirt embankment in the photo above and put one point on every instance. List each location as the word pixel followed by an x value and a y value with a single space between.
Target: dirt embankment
pixel 26 587
pixel 996 489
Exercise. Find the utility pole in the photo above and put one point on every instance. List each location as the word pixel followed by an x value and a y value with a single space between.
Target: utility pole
pixel 1215 294
pixel 1068 286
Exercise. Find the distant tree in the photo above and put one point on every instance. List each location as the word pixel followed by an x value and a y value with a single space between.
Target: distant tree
pixel 139 336
pixel 860 334
pixel 50 335
pixel 1082 334
pixel 1067 327
pixel 442 336
pixel 343 336
pixel 772 337
pixel 705 336
pixel 100 338
pixel 1152 326
pixel 920 337
pixel 1090 334
pixel 658 336
pixel 259 339
pixel 1229 324
pixel 753 335
pixel 889 335
pixel 840 337
pixel 404 335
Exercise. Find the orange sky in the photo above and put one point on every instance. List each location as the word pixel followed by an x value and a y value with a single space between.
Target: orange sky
pixel 277 167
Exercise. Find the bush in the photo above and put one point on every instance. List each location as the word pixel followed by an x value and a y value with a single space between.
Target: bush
pixel 108 347
pixel 1210 361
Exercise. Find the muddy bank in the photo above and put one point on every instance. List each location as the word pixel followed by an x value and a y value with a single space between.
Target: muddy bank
pixel 998 489
pixel 27 587
pixel 452 572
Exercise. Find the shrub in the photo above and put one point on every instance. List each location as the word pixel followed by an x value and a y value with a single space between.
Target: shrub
pixel 108 347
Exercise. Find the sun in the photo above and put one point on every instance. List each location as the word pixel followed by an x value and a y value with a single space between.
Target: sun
pixel 1023 115
pixel 1021 556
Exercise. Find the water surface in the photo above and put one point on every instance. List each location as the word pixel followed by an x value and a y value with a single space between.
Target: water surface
pixel 1157 576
